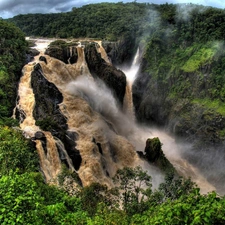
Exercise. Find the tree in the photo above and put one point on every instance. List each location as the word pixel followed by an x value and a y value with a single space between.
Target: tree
pixel 16 153
pixel 26 199
pixel 133 186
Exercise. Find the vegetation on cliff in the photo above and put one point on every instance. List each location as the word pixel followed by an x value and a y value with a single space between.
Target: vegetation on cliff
pixel 183 68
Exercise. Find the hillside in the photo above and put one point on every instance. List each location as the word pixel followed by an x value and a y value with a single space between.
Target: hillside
pixel 83 157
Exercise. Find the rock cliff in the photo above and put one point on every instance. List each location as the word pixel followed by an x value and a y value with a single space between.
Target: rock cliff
pixel 113 78
pixel 49 117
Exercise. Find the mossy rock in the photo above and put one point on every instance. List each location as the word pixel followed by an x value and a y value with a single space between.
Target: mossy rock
pixel 154 154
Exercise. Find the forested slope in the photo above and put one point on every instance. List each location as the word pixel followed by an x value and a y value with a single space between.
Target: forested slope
pixel 181 79
pixel 12 58
pixel 184 64
pixel 104 20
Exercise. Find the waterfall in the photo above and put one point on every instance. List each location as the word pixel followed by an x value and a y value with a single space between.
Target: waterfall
pixel 103 150
pixel 107 137
pixel 26 102
pixel 49 158
pixel 130 77
pixel 101 50
pixel 170 148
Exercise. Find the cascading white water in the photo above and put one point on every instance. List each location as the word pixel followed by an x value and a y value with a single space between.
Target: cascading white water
pixel 130 73
pixel 171 149
pixel 92 112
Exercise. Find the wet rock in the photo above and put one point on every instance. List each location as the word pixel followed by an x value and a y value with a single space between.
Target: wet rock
pixel 30 54
pixel 46 111
pixel 70 145
pixel 48 116
pixel 115 79
pixel 42 58
pixel 39 135
pixel 66 52
pixel 155 155
pixel 120 52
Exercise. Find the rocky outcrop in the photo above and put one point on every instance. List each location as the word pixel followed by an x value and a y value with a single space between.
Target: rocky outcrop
pixel 63 51
pixel 48 116
pixel 154 155
pixel 47 97
pixel 122 51
pixel 70 145
pixel 115 79
pixel 30 54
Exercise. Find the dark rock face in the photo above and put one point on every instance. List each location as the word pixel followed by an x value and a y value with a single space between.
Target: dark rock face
pixel 63 52
pixel 42 58
pixel 30 54
pixel 40 135
pixel 154 154
pixel 49 117
pixel 113 78
pixel 47 98
pixel 70 145
pixel 120 52
pixel 149 100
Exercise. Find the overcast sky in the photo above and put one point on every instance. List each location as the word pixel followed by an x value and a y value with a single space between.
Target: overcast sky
pixel 10 8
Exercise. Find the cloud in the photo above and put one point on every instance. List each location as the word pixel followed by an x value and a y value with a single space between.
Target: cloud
pixel 10 8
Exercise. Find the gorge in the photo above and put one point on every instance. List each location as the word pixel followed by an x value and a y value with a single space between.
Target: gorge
pixel 73 112
pixel 144 92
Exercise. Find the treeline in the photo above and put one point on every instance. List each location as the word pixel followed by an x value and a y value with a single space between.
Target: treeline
pixel 104 20
pixel 26 199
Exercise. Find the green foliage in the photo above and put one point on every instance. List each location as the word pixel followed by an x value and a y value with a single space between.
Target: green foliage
pixel 65 174
pixel 103 20
pixel 190 209
pixel 48 124
pixel 175 187
pixel 19 199
pixel 16 153
pixel 183 59
pixel 25 199
pixel 58 43
pixel 12 57
pixel 91 196
pixel 199 57
pixel 105 215
pixel 133 186
pixel 215 105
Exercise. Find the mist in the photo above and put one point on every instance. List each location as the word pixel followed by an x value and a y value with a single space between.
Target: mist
pixel 101 100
